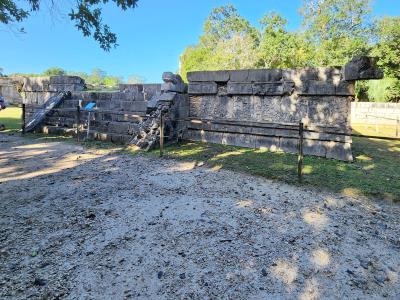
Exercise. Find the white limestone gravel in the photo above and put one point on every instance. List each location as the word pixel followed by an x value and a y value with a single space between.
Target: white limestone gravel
pixel 85 224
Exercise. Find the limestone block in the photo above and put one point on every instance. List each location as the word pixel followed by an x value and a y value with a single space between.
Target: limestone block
pixel 239 88
pixel 328 111
pixel 240 140
pixel 273 88
pixel 289 145
pixel 205 88
pixel 268 143
pixel 239 76
pixel 314 147
pixel 265 75
pixel 362 68
pixel 341 151
pixel 179 87
pixel 204 76
pixel 167 97
pixel 313 87
pixel 133 106
pixel 345 88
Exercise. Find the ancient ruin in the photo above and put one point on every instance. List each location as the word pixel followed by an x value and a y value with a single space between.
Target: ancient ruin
pixel 250 108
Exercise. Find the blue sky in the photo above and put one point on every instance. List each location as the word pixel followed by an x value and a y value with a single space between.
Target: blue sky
pixel 151 37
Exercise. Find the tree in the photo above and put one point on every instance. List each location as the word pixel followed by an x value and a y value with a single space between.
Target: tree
pixel 135 78
pixel 387 49
pixel 339 29
pixel 86 16
pixel 282 49
pixel 54 71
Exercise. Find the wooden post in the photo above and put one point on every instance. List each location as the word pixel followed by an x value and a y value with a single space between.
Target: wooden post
pixel 397 127
pixel 161 134
pixel 300 156
pixel 78 122
pixel 23 118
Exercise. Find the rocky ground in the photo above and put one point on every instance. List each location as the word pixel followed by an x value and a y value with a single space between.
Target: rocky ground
pixel 84 224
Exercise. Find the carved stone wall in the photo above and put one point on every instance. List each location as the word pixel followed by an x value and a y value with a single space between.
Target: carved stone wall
pixel 262 109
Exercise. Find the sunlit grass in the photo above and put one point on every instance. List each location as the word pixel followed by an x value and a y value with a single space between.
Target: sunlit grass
pixel 373 173
pixel 11 118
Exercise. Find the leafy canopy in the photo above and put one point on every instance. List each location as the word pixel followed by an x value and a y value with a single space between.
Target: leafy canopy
pixel 85 14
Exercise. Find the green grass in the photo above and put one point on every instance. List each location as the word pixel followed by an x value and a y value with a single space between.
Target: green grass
pixel 374 172
pixel 11 118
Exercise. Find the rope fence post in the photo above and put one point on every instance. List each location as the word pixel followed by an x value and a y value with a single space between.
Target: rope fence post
pixel 23 118
pixel 161 134
pixel 78 122
pixel 300 155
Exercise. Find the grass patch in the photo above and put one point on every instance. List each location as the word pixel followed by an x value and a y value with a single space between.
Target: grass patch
pixel 11 118
pixel 380 130
pixel 373 173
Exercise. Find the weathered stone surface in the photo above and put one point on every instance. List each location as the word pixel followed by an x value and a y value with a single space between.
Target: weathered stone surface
pixel 204 76
pixel 202 88
pixel 345 88
pixel 313 87
pixel 314 147
pixel 167 97
pixel 268 143
pixel 172 83
pixel 239 76
pixel 329 74
pixel 273 89
pixel 265 75
pixel 341 151
pixel 240 88
pixel 362 68
pixel 289 145
pixel 331 110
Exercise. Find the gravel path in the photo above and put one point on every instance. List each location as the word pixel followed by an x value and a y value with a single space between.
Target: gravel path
pixel 80 224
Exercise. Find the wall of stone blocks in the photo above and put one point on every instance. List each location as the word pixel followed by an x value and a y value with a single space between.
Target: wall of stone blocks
pixel 375 113
pixel 114 119
pixel 9 90
pixel 262 109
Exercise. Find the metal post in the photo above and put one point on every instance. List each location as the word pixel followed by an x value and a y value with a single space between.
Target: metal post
pixel 23 118
pixel 78 122
pixel 161 134
pixel 300 156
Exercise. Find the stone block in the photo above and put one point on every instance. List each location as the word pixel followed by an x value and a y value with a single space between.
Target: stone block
pixel 273 88
pixel 239 88
pixel 135 106
pixel 289 145
pixel 167 97
pixel 340 151
pixel 202 88
pixel 345 88
pixel 313 87
pixel 239 76
pixel 314 147
pixel 204 76
pixel 240 140
pixel 265 75
pixel 179 87
pixel 362 68
pixel 268 143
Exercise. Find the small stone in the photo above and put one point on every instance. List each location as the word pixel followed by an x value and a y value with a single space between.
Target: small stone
pixel 160 274
pixel 39 282
pixel 264 272
pixel 182 276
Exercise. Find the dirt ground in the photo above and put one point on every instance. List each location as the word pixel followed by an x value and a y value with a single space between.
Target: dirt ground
pixel 85 224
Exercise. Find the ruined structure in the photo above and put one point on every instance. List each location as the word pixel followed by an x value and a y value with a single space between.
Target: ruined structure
pixel 263 108
pixel 249 108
